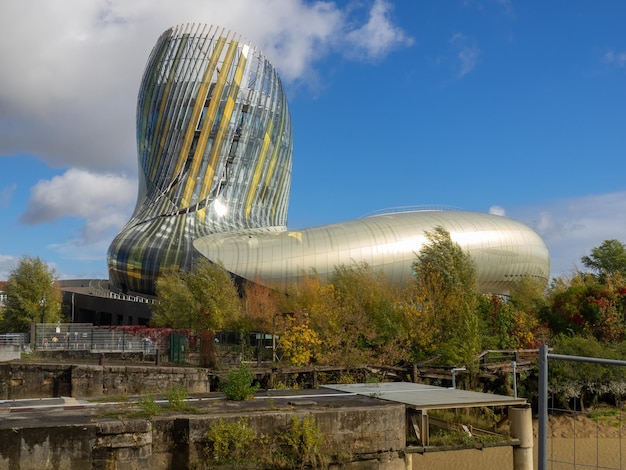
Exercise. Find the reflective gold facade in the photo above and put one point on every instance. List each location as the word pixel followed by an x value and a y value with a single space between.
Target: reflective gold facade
pixel 503 249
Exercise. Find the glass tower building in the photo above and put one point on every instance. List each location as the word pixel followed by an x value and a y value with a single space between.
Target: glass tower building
pixel 215 156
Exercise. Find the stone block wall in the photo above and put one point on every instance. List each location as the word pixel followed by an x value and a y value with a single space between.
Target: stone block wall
pixel 347 431
pixel 178 442
pixel 28 380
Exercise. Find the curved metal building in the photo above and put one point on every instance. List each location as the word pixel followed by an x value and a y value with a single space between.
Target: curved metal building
pixel 214 145
pixel 503 249
pixel 215 148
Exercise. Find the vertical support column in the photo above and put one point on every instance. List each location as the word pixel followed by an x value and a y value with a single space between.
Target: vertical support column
pixel 522 428
pixel 417 424
pixel 542 440
pixel 424 428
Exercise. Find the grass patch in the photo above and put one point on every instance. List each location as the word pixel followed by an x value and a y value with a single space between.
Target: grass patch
pixel 599 415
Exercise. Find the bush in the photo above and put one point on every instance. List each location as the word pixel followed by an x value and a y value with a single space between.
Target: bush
pixel 177 396
pixel 239 385
pixel 148 406
pixel 302 442
pixel 229 442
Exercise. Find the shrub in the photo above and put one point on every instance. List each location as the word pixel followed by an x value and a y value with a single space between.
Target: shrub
pixel 302 442
pixel 177 396
pixel 239 385
pixel 148 406
pixel 229 442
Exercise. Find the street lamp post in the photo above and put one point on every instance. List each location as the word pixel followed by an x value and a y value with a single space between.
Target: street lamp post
pixel 43 311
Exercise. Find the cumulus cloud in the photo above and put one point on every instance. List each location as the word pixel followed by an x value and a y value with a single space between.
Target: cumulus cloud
pixel 467 52
pixel 103 201
pixel 572 227
pixel 68 87
pixel 615 58
pixel 378 36
pixel 7 263
pixel 497 210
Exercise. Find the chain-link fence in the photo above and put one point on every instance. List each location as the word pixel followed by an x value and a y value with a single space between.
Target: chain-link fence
pixel 581 421
pixel 99 339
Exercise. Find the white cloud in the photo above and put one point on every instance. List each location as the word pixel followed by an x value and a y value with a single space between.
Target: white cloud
pixel 497 210
pixel 572 227
pixel 7 264
pixel 467 53
pixel 68 86
pixel 378 36
pixel 615 58
pixel 104 202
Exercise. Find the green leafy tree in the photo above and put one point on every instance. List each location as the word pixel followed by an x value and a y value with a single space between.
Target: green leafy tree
pixel 32 295
pixel 371 313
pixel 607 259
pixel 528 295
pixel 586 305
pixel 446 300
pixel 203 299
pixel 356 315
pixel 581 380
pixel 504 325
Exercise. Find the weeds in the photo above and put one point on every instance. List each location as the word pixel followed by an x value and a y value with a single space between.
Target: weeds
pixel 229 442
pixel 301 444
pixel 177 397
pixel 148 406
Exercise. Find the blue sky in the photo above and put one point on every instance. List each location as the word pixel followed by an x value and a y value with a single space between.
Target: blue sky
pixel 506 106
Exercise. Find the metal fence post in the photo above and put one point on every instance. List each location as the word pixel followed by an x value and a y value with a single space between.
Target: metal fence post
pixel 543 409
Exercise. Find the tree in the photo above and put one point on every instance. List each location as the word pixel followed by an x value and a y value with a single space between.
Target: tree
pixel 607 259
pixel 371 313
pixel 261 306
pixel 446 300
pixel 203 299
pixel 299 341
pixel 528 295
pixel 316 300
pixel 586 305
pixel 32 295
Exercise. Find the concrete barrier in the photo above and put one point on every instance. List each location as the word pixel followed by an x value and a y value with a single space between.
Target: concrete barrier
pixel 30 380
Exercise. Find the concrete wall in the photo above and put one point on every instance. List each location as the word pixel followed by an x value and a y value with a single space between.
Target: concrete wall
pixel 10 352
pixel 25 380
pixel 365 437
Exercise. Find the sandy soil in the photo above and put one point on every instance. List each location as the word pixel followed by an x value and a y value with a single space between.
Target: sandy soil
pixel 606 425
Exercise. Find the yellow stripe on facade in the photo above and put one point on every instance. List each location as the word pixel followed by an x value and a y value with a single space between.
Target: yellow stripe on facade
pixel 206 125
pixel 201 97
pixel 201 215
pixel 223 127
pixel 164 101
pixel 259 169
pixel 281 180
pixel 275 155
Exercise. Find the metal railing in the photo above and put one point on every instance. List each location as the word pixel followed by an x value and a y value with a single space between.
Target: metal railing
pixel 16 339
pixel 544 410
pixel 96 339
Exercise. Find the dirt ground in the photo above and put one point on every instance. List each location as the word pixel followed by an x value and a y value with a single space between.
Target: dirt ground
pixel 602 424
